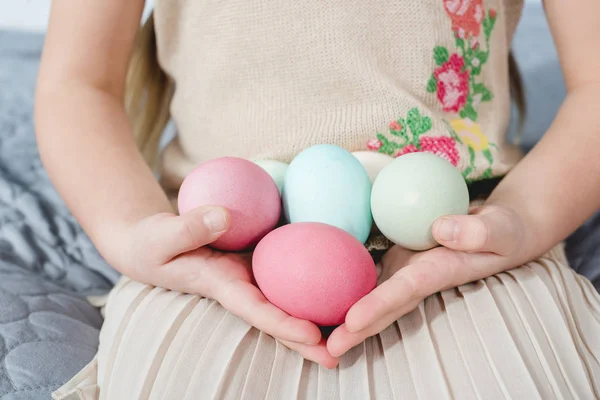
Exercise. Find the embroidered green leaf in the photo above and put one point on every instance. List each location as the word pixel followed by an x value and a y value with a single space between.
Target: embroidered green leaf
pixel 487 174
pixel 460 43
pixel 386 150
pixel 404 130
pixel 482 56
pixel 417 123
pixel 382 139
pixel 488 24
pixel 432 84
pixel 440 54
pixel 488 155
pixel 486 27
pixel 452 132
pixel 469 112
pixel 472 156
pixel 480 88
pixel 487 96
pixel 466 173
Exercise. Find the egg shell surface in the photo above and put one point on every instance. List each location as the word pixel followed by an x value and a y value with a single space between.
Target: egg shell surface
pixel 411 193
pixel 325 183
pixel 241 186
pixel 276 169
pixel 313 271
pixel 373 162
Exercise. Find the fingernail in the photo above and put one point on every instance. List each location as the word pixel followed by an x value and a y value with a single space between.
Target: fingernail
pixel 215 221
pixel 446 230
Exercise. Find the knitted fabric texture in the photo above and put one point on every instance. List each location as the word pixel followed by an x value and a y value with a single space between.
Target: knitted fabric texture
pixel 267 79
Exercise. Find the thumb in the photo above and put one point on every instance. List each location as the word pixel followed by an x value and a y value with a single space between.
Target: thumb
pixel 191 230
pixel 491 229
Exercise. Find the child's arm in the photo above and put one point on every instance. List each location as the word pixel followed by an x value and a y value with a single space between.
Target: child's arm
pixel 84 136
pixel 545 198
pixel 88 149
pixel 557 186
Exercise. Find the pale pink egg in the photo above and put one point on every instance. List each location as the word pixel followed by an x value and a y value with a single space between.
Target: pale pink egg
pixel 241 186
pixel 313 271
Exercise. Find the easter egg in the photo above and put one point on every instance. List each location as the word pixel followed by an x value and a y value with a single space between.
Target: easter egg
pixel 372 162
pixel 313 271
pixel 411 193
pixel 241 186
pixel 276 169
pixel 327 184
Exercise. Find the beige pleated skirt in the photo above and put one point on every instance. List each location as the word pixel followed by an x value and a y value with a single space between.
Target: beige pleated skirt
pixel 530 333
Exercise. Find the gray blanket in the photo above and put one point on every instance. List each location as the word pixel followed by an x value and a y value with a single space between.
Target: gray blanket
pixel 48 332
pixel 47 265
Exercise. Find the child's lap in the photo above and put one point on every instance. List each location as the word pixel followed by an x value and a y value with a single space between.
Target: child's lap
pixel 531 333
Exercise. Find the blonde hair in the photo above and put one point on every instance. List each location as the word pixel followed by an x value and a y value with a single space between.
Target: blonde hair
pixel 149 92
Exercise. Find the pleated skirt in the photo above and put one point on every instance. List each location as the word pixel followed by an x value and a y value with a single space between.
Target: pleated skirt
pixel 529 333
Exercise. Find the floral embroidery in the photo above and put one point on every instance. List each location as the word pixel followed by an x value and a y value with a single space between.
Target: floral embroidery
pixel 455 83
pixel 454 79
pixel 452 84
pixel 470 134
pixel 443 146
pixel 466 16
pixel 406 136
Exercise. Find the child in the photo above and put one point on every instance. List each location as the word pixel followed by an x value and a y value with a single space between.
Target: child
pixel 495 312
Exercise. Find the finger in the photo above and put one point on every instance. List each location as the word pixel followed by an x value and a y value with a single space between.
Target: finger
pixel 316 353
pixel 496 231
pixel 189 231
pixel 342 340
pixel 246 301
pixel 410 283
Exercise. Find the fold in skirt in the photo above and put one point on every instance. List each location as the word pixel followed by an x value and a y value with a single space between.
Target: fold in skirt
pixel 529 333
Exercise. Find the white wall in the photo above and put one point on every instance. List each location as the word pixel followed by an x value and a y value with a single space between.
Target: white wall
pixel 30 15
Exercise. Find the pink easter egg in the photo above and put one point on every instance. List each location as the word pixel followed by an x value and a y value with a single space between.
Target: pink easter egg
pixel 313 271
pixel 241 186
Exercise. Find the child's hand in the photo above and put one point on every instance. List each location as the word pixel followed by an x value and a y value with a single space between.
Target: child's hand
pixel 476 246
pixel 169 251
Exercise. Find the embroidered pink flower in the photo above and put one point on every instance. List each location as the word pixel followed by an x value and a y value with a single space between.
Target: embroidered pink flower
pixel 452 83
pixel 395 126
pixel 374 144
pixel 465 14
pixel 492 13
pixel 406 150
pixel 444 147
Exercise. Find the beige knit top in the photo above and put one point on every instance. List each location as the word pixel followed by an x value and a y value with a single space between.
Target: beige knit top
pixel 265 79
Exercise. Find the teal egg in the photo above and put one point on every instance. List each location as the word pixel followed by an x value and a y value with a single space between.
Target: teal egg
pixel 411 192
pixel 276 169
pixel 327 184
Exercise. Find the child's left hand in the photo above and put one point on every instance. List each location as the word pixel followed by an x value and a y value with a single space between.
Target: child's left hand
pixel 488 241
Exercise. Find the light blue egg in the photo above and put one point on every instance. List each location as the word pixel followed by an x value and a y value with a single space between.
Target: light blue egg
pixel 327 184
pixel 274 168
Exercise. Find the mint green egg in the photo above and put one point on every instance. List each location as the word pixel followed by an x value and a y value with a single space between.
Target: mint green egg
pixel 276 169
pixel 413 191
pixel 327 184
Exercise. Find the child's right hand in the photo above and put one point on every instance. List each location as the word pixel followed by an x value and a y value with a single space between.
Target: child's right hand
pixel 170 251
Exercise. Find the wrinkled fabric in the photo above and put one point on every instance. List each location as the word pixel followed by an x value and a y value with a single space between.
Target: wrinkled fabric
pixel 48 330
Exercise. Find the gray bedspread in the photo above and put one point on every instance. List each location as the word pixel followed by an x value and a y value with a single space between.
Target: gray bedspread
pixel 47 265
pixel 48 331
